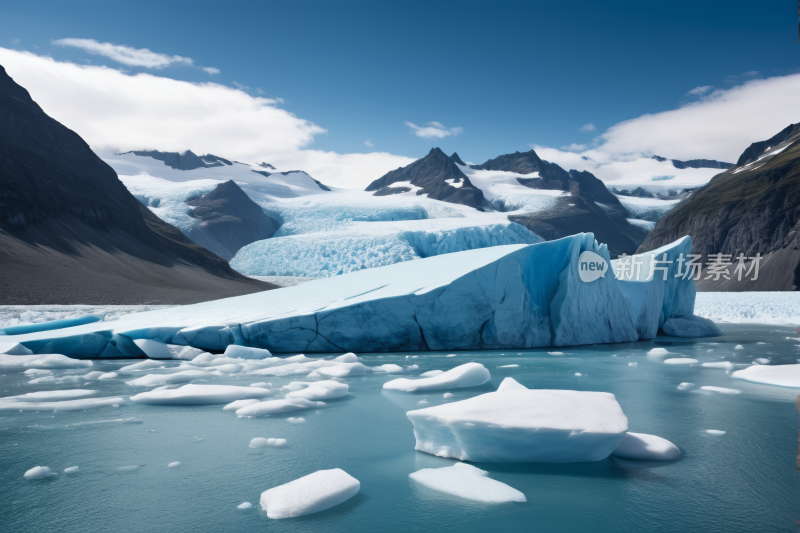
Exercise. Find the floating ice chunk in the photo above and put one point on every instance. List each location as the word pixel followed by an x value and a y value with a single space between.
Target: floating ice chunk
pixel 738 347
pixel 345 370
pixel 508 366
pixel 290 369
pixel 238 404
pixel 321 390
pixel 184 376
pixel 347 358
pixel 228 369
pixel 53 379
pixel 38 472
pixel 128 468
pixel 296 420
pixel 777 375
pixel 466 375
pixel 310 494
pixel 174 464
pixel 262 384
pixel 388 368
pixel 261 442
pixel 643 447
pixel 578 374
pixel 20 363
pixel 40 372
pixel 657 352
pixel 511 384
pixel 71 470
pixel 91 375
pixel 715 432
pixel 761 361
pixel 724 365
pixel 553 426
pixel 244 505
pixel 200 395
pixel 451 355
pixel 468 482
pixel 633 364
pixel 50 395
pixel 680 361
pixel 448 395
pixel 412 367
pixel 686 386
pixel 431 373
pixel 423 402
pixel 144 365
pixel 67 405
pixel 159 350
pixel 691 326
pixel 277 407
pixel 14 348
pixel 245 352
pixel 108 375
pixel 556 353
pixel 721 390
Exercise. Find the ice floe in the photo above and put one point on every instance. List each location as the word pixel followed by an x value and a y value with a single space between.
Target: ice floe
pixel 534 425
pixel 51 395
pixel 466 375
pixel 174 464
pixel 38 472
pixel 142 365
pixel 468 482
pixel 71 470
pixel 320 390
pixel 310 494
pixel 277 407
pixel 720 390
pixel 66 405
pixel 245 352
pixel 777 375
pixel 238 404
pixel 724 365
pixel 296 420
pixel 261 442
pixel 686 386
pixel 20 363
pixel 715 432
pixel 681 361
pixel 200 395
pixel 244 505
pixel 184 376
pixel 643 447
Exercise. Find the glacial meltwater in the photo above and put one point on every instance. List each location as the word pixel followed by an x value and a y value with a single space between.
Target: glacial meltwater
pixel 190 468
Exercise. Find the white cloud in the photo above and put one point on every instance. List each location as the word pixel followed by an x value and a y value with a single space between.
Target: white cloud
pixel 15 40
pixel 587 127
pixel 574 147
pixel 433 130
pixel 210 70
pixel 241 87
pixel 115 111
pixel 368 142
pixel 134 57
pixel 700 91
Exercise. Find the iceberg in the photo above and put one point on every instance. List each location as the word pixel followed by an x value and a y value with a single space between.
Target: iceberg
pixel 320 390
pixel 310 494
pixel 643 447
pixel 243 352
pixel 468 482
pixel 514 296
pixel 200 395
pixel 690 326
pixel 777 375
pixel 261 442
pixel 466 375
pixel 513 425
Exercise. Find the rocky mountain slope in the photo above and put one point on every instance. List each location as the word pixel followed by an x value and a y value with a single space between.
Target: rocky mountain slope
pixel 435 175
pixel 70 232
pixel 230 220
pixel 695 163
pixel 753 207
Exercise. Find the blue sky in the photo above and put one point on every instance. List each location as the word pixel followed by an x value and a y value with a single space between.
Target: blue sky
pixel 507 74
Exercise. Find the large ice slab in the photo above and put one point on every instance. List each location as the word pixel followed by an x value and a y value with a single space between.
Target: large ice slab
pixel 777 375
pixel 466 481
pixel 310 494
pixel 516 296
pixel 549 426
pixel 466 375
pixel 200 395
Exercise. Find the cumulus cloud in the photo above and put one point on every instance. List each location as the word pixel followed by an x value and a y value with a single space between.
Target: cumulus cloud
pixel 433 130
pixel 368 142
pixel 210 70
pixel 134 57
pixel 699 91
pixel 115 111
pixel 587 127
pixel 574 147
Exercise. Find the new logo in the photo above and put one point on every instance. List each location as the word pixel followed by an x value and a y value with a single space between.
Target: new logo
pixel 591 266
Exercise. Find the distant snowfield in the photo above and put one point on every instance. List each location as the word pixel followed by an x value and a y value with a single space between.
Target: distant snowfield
pixel 647 208
pixel 15 315
pixel 778 308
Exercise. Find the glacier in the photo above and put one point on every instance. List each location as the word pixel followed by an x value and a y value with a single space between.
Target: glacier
pixel 513 296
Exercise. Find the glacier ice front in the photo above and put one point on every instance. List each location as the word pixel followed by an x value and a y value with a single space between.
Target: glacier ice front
pixel 515 296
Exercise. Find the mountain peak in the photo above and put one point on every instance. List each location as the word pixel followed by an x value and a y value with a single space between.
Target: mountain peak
pixel 455 159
